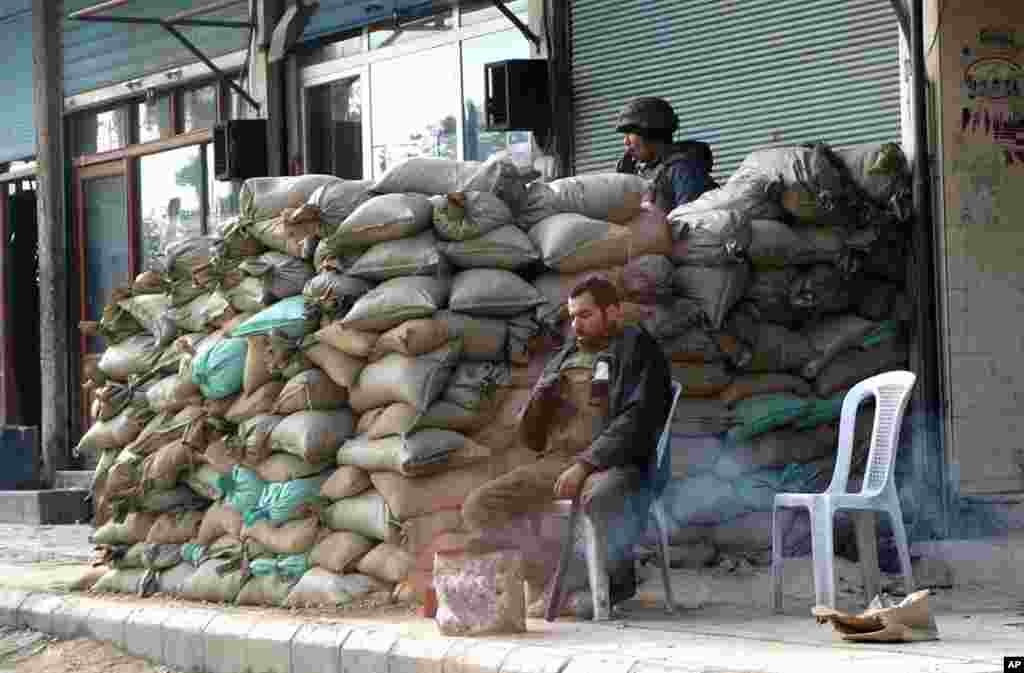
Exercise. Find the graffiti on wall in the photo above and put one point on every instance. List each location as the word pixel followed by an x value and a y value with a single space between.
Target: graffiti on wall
pixel 992 111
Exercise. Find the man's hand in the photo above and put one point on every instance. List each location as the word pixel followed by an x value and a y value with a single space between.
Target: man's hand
pixel 571 481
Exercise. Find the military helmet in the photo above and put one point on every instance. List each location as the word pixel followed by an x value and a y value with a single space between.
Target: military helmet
pixel 648 116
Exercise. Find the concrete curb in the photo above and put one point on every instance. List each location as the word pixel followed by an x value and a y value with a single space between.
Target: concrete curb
pixel 195 640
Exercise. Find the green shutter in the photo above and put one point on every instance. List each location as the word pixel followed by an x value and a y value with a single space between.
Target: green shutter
pixel 742 74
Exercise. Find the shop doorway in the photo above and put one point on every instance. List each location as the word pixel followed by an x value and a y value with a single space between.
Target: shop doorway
pixel 21 290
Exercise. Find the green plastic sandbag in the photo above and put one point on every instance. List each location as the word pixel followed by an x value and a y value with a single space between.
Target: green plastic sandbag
pixel 289 566
pixel 761 414
pixel 287 316
pixel 284 501
pixel 820 412
pixel 242 489
pixel 219 367
pixel 193 553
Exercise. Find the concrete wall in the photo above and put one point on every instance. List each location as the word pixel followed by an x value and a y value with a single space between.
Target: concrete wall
pixel 981 198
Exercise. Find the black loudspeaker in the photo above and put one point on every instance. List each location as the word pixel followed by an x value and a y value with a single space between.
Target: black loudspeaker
pixel 517 95
pixel 240 149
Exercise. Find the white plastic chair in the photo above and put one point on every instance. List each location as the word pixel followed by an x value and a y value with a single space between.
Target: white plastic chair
pixel 891 391
pixel 596 538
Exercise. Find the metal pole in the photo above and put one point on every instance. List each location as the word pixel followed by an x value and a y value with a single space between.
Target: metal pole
pixel 53 242
pixel 211 23
pixel 204 9
pixel 103 6
pixel 210 64
pixel 523 28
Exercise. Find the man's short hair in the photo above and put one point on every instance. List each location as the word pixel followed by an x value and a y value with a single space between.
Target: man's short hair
pixel 603 291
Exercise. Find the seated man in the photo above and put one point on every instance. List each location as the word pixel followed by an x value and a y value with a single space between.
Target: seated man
pixel 593 418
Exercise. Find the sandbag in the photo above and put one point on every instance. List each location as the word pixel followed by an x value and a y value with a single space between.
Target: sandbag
pixel 879 169
pixel 612 197
pixel 273 233
pixel 768 294
pixel 462 216
pixel 180 497
pixel 492 292
pixel 204 482
pixel 386 562
pixel 173 393
pixel 394 301
pixel 750 385
pixel 412 338
pixel 417 454
pixel 153 312
pixel 121 581
pixel 259 403
pixel 393 419
pixel 256 373
pixel 408 497
pixel 701 379
pixel 291 537
pixel 701 416
pixel 505 248
pixel 268 590
pixel 785 446
pixel 647 279
pixel 387 217
pixel 337 367
pixel 762 413
pixel 253 437
pixel 716 288
pixel 833 336
pixel 284 501
pixel 822 289
pixel 339 551
pixel 283 276
pixel 134 355
pixel 311 390
pixel 132 530
pixel 333 294
pixel 115 433
pixel 419 533
pixel 332 202
pixel 287 316
pixel 710 237
pixel 218 521
pixel 352 342
pixel 776 244
pixel 570 243
pixel 432 176
pixel 313 436
pixel 445 415
pixel 345 482
pixel 852 366
pixel 395 378
pixel 242 489
pixel 160 470
pixel 701 500
pixel 175 528
pixel 210 583
pixel 157 556
pixel 482 338
pixel 282 467
pixel 219 367
pixel 201 313
pixel 322 588
pixel 247 295
pixel 696 344
pixel 664 320
pixel 414 256
pixel 262 198
pixel 475 385
pixel 367 514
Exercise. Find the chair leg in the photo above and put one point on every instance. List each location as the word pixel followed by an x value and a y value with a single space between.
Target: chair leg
pixel 823 555
pixel 865 525
pixel 776 569
pixel 596 541
pixel 900 532
pixel 661 521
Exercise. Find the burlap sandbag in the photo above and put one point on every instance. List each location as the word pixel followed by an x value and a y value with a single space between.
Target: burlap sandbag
pixel 253 438
pixel 392 419
pixel 173 394
pixel 313 436
pixel 132 530
pixel 204 481
pixel 394 301
pixel 291 537
pixel 267 197
pixel 445 415
pixel 207 583
pixel 256 372
pixel 366 514
pixel 345 482
pixel 463 216
pixel 258 403
pixel 415 256
pixel 571 243
pixel 482 338
pixel 386 562
pixel 135 355
pixel 115 433
pixel 160 471
pixel 614 197
pixel 339 551
pixel 175 528
pixel 268 590
pixel 221 457
pixel 411 338
pixel 311 390
pixel 341 368
pixel 156 556
pixel 322 588
pixel 120 581
pixel 417 454
pixel 387 217
pixel 164 429
pixel 218 521
pixel 281 467
pixel 395 378
pixel 408 497
pixel 358 344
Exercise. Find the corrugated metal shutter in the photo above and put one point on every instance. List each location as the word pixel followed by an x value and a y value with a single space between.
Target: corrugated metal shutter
pixel 741 74
pixel 17 132
pixel 100 54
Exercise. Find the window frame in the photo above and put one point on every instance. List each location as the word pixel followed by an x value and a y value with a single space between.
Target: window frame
pixel 360 65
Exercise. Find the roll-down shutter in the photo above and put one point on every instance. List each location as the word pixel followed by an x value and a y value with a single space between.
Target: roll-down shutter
pixel 742 74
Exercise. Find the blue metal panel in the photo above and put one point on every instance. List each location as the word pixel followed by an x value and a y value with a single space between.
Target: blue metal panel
pixel 17 134
pixel 100 54
pixel 335 16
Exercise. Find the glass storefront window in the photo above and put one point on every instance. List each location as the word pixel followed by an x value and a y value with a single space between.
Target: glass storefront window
pixel 106 248
pixel 97 132
pixel 170 189
pixel 199 108
pixel 387 35
pixel 155 119
pixel 335 114
pixel 482 11
pixel 223 195
pixel 480 143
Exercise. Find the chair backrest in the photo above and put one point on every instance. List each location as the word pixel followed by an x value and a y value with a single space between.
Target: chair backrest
pixel 891 391
pixel 663 469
